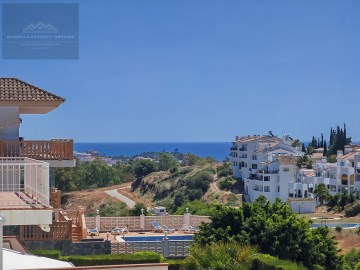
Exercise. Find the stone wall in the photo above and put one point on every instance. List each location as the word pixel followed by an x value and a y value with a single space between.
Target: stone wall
pixel 66 247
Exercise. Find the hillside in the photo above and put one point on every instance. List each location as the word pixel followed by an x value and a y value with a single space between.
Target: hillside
pixel 186 184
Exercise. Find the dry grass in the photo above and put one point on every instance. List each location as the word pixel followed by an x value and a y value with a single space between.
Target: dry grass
pixel 347 240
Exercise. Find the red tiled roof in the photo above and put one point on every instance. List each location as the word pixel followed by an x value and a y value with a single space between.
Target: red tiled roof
pixel 12 89
pixel 287 160
pixel 349 156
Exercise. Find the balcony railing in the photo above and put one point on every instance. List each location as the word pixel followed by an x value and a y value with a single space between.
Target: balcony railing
pixel 40 150
pixel 24 183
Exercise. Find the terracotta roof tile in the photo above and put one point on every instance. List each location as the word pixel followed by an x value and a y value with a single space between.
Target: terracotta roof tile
pixel 12 89
pixel 287 160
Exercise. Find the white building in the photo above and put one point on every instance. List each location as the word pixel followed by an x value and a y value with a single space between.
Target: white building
pixel 342 176
pixel 27 167
pixel 266 164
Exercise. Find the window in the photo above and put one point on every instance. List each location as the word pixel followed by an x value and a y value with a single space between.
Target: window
pixel 254 157
pixel 254 166
pixel 278 188
pixel 286 169
pixel 267 178
pixel 266 189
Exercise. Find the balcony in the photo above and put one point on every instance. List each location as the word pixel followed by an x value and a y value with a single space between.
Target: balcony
pixel 24 183
pixel 39 150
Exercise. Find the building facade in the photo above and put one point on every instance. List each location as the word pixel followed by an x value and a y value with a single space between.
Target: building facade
pixel 268 166
pixel 27 167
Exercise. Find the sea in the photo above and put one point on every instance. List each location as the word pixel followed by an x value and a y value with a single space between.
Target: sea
pixel 217 150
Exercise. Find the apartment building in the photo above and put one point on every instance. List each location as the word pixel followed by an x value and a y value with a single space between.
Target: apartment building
pixel 27 167
pixel 342 176
pixel 266 164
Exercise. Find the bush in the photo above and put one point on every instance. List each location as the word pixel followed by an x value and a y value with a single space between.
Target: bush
pixel 351 259
pixel 175 264
pixel 267 262
pixel 353 210
pixel 112 259
pixel 338 228
pixel 49 253
pixel 225 184
pixel 200 180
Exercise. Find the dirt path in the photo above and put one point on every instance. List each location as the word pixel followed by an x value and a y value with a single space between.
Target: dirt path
pixel 114 193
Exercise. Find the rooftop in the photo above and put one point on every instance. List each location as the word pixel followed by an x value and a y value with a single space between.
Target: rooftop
pixel 287 160
pixel 12 89
pixel 29 98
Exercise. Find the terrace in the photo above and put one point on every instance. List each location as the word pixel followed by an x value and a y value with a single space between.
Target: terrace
pixel 55 149
pixel 24 183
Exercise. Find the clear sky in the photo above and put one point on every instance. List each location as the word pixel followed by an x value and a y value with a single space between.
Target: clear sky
pixel 162 70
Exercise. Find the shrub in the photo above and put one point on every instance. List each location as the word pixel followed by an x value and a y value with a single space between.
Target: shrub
pixel 352 259
pixel 225 184
pixel 110 259
pixel 338 228
pixel 175 264
pixel 200 180
pixel 49 253
pixel 195 194
pixel 353 210
pixel 267 262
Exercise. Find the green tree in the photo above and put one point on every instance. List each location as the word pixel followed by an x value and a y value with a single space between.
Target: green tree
pixel 136 211
pixel 196 207
pixel 296 143
pixel 325 149
pixel 304 161
pixel 166 161
pixel 331 159
pixel 218 256
pixel 321 192
pixel 143 167
pixel 190 159
pixel 275 229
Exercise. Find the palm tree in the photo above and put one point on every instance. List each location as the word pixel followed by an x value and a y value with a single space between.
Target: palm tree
pixel 220 256
pixel 321 192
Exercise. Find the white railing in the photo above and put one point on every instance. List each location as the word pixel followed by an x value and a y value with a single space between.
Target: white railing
pixel 166 248
pixel 138 223
pixel 25 181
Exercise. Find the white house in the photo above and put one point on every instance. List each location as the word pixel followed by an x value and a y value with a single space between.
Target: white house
pixel 27 166
pixel 266 164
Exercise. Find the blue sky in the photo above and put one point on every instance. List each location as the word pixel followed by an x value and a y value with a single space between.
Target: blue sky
pixel 154 71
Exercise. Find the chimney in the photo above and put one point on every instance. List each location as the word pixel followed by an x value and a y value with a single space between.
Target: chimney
pixel 339 153
pixel 323 160
pixel 237 138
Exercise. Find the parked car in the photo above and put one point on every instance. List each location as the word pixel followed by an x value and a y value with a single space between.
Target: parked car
pixel 159 211
pixel 93 232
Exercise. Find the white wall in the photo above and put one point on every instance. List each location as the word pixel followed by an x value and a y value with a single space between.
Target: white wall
pixel 303 206
pixel 9 123
pixel 286 177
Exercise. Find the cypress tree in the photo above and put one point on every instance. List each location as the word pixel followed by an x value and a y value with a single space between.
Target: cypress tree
pixel 322 141
pixel 325 149
pixel 331 136
pixel 303 148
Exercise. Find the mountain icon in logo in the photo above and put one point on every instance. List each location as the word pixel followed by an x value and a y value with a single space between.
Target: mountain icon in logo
pixel 40 28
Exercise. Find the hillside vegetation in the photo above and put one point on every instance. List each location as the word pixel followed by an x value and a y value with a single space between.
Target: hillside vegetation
pixel 209 183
